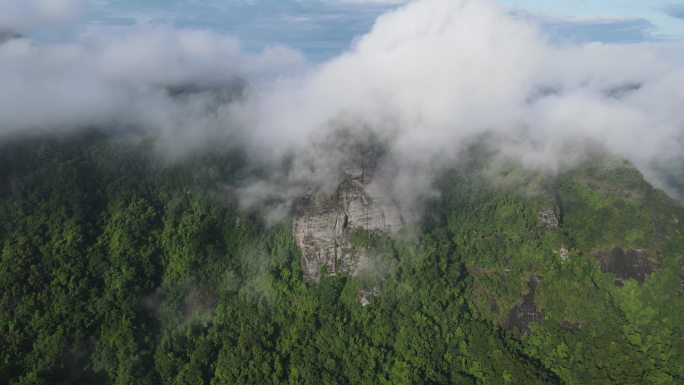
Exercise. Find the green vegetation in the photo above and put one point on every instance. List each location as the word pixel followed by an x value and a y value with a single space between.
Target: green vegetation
pixel 116 270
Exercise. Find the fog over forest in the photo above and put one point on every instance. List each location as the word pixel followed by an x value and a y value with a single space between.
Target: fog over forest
pixel 428 79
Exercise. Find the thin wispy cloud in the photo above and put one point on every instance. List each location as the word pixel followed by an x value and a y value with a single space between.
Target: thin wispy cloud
pixel 572 30
pixel 675 10
pixel 28 15
pixel 325 28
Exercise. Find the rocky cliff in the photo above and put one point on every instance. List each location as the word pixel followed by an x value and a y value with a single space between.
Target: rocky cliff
pixel 324 225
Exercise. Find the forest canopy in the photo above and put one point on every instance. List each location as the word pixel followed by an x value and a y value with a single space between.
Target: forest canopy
pixel 117 269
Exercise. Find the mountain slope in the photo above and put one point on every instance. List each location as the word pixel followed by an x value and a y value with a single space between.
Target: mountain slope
pixel 116 269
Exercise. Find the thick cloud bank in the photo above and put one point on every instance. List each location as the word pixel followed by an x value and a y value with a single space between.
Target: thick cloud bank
pixel 435 74
pixel 426 80
pixel 174 84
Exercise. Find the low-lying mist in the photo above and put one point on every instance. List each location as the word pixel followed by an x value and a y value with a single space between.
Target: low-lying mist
pixel 428 79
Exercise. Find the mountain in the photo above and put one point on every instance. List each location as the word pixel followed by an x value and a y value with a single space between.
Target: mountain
pixel 330 230
pixel 117 268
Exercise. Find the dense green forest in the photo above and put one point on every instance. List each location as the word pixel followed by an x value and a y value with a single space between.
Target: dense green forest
pixel 116 268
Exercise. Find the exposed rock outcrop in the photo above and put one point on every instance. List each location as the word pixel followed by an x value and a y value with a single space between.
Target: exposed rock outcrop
pixel 564 254
pixel 325 225
pixel 549 217
pixel 625 264
pixel 571 326
pixel 364 296
pixel 520 316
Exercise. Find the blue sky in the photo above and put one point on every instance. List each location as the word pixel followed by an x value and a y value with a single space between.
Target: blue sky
pixel 323 28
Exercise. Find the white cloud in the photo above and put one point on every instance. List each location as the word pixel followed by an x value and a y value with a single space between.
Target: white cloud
pixel 435 74
pixel 131 79
pixel 427 79
pixel 27 15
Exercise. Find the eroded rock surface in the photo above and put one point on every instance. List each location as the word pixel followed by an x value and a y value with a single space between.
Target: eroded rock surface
pixel 549 217
pixel 324 225
pixel 564 254
pixel 571 326
pixel 625 264
pixel 364 296
pixel 520 316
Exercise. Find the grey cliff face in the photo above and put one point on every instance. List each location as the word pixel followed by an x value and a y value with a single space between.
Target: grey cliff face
pixel 549 217
pixel 323 225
